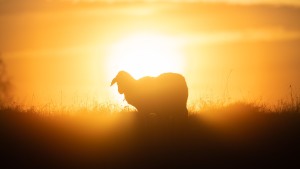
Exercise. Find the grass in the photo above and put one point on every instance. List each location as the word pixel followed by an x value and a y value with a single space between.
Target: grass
pixel 218 135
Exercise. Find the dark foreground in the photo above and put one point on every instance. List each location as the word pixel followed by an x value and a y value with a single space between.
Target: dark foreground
pixel 234 140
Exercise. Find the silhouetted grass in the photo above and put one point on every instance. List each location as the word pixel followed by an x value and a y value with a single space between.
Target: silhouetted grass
pixel 236 135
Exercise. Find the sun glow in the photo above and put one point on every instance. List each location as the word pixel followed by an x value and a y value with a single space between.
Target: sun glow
pixel 145 54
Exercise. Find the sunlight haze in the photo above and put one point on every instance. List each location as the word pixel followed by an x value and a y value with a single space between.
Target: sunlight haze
pixel 149 84
pixel 67 51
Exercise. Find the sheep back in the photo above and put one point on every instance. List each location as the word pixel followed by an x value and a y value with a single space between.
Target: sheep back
pixel 165 95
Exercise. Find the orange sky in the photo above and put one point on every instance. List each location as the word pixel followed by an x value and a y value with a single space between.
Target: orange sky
pixel 62 52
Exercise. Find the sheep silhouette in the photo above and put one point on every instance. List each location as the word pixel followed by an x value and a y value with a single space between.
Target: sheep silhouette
pixel 165 96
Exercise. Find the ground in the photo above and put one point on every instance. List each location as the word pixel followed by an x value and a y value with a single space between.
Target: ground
pixel 239 135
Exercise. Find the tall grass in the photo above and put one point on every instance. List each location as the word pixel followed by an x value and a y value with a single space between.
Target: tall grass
pixel 217 134
pixel 200 106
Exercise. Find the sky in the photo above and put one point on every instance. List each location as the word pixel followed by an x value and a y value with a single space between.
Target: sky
pixel 67 52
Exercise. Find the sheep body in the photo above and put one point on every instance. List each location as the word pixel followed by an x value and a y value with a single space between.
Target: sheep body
pixel 165 95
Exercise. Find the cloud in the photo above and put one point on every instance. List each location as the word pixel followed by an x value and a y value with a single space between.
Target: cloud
pixel 251 35
pixel 286 2
pixel 13 6
pixel 90 22
pixel 17 6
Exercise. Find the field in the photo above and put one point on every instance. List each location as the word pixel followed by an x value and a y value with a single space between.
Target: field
pixel 236 135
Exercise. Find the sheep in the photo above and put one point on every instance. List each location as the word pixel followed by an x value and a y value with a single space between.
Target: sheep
pixel 165 95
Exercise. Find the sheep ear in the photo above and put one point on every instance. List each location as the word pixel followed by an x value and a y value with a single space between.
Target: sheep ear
pixel 113 81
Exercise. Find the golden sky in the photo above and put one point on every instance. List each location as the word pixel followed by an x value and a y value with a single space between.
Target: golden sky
pixel 69 50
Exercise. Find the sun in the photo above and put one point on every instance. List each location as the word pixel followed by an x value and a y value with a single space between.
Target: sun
pixel 145 54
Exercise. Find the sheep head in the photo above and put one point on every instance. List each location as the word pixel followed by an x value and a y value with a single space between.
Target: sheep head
pixel 124 81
